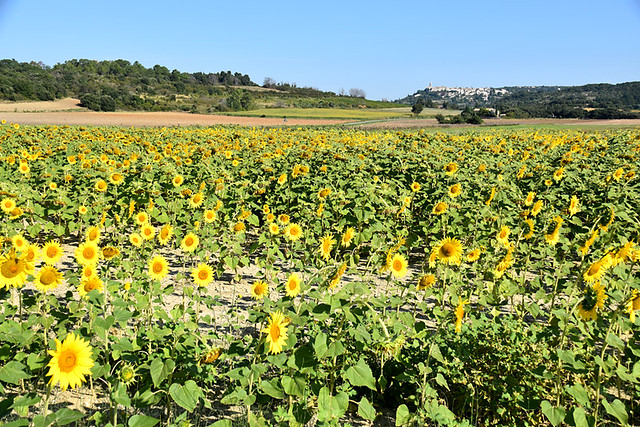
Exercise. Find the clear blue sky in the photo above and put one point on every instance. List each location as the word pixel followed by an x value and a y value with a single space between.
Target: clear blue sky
pixel 387 48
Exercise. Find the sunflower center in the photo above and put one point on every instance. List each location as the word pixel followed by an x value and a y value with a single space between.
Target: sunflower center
pixel 67 361
pixel 274 332
pixel 292 285
pixel 52 252
pixel 164 233
pixel 10 269
pixel 88 253
pixel 47 278
pixel 189 241
pixel 157 267
pixel 594 269
pixel 89 286
pixel 447 250
pixel 397 265
pixel 202 275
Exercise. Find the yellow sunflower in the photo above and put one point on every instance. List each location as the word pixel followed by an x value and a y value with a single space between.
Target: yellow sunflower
pixel 440 208
pixel 13 270
pixel 460 313
pixel 110 252
pixel 209 216
pixel 326 244
pixel 530 197
pixel 166 232
pixel 455 190
pixel 202 275
pixel 574 206
pixel 592 301
pixel 595 271
pixel 474 255
pixel 451 168
pixel 503 235
pixel 196 200
pixel 282 179
pixel 48 278
pixel 158 267
pixel 142 218
pixel 426 282
pixel 19 242
pixel 70 362
pixel 259 289
pixel 88 253
pixel 177 180
pixel 415 187
pixel 537 207
pixel 116 178
pixel 348 235
pixel 93 234
pixel 398 266
pixel 633 305
pixel 8 205
pixel 273 228
pixel 31 254
pixel 82 210
pixel 239 227
pixel 293 232
pixel 292 286
pixel 190 242
pixel 449 251
pixel 91 283
pixel 135 239
pixel 276 332
pixel 284 219
pixel 147 231
pixel 101 185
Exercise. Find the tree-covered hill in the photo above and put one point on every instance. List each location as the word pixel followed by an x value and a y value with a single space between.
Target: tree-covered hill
pixel 122 85
pixel 587 101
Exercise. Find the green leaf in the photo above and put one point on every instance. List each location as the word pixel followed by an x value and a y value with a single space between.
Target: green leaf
pixel 615 341
pixel 186 396
pixel 361 375
pixel 272 389
pixel 553 414
pixel 22 422
pixel 581 396
pixel 320 345
pixel 366 410
pixel 402 415
pixel 436 354
pixel 27 400
pixel 293 386
pixel 142 421
pixel 160 370
pixel 617 409
pixel 13 372
pixel 66 416
pixel 579 417
pixel 331 408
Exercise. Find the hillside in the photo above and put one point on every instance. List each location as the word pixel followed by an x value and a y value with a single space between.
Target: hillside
pixel 121 85
pixel 597 101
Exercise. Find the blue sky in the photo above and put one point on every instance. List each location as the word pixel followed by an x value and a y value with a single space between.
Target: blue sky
pixel 388 49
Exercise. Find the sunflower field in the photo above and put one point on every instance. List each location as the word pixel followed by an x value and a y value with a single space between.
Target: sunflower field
pixel 318 276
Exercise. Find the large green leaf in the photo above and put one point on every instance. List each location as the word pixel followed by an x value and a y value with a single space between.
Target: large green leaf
pixel 186 396
pixel 360 375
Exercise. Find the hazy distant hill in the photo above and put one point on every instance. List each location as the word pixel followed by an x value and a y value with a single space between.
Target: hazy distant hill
pixel 588 101
pixel 119 84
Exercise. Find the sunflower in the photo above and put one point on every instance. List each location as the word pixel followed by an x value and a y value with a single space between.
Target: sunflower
pixel 51 252
pixel 177 180
pixel 284 219
pixel 19 242
pixel 530 197
pixel 503 235
pixel 451 168
pixel 282 179
pixel 293 232
pixel 88 271
pixel 82 210
pixel 276 332
pixel 460 313
pixel 110 252
pixel 190 242
pixel 440 208
pixel 166 232
pixel 326 244
pixel 585 248
pixel 91 283
pixel 116 178
pixel 592 301
pixel 13 270
pixel 292 286
pixel 449 251
pixel 557 175
pixel 455 190
pixel 336 277
pixel 158 267
pixel 48 278
pixel 415 187
pixel 322 194
pixel 529 234
pixel 554 236
pixel 135 239
pixel 31 254
pixel 196 200
pixel 320 210
pixel 202 275
pixel 93 234
pixel 398 266
pixel 147 231
pixel 259 289
pixel 426 282
pixel 8 205
pixel 474 255
pixel 573 206
pixel 142 218
pixel 271 217
pixel 88 253
pixel 624 254
pixel 348 235
pixel 16 213
pixel 239 227
pixel 70 362
pixel 24 168
pixel 537 207
pixel 595 271
pixel 273 228
pixel 491 196
pixel 633 305
pixel 209 216
pixel 101 185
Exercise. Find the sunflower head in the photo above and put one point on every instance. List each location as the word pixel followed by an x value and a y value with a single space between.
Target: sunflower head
pixel 276 332
pixel 70 362
pixel 259 289
pixel 202 275
pixel 292 287
pixel 449 251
